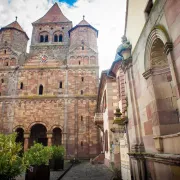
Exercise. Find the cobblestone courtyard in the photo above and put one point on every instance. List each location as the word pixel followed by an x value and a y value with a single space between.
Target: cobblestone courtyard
pixel 87 171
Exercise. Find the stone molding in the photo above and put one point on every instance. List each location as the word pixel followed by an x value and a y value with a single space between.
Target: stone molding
pixel 169 159
pixel 155 71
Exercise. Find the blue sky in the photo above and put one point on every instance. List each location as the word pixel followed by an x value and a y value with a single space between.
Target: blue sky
pixel 107 16
pixel 70 2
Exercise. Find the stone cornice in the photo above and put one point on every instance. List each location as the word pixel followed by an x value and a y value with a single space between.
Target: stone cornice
pixel 37 97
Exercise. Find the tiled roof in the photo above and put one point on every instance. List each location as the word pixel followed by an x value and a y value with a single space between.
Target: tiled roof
pixel 15 25
pixel 54 15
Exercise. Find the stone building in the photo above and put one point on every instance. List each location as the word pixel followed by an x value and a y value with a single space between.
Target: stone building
pixel 147 71
pixel 49 94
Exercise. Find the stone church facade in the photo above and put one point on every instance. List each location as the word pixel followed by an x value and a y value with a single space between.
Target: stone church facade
pixel 49 94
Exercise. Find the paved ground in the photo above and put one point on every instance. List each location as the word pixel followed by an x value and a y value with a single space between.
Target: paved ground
pixel 87 171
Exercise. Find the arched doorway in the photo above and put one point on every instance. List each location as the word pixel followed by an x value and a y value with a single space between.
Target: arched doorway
pixel 20 137
pixel 57 136
pixel 38 134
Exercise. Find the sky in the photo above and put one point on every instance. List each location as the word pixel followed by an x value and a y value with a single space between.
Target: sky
pixel 108 16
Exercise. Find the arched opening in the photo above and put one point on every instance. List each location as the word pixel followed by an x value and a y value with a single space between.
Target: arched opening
pixel 57 136
pixel 41 89
pixel 55 38
pixel 82 79
pixel 46 38
pixel 21 86
pixel 60 38
pixel 159 81
pixel 41 38
pixel 60 84
pixel 4 51
pixel 2 81
pixel 38 134
pixel 20 137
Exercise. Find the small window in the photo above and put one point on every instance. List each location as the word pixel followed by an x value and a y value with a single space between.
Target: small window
pixel 82 47
pixel 60 84
pixel 81 118
pixel 21 85
pixel 55 38
pixel 81 143
pixel 40 89
pixel 60 38
pixel 82 79
pixel 148 9
pixel 6 64
pixel 79 62
pixel 2 80
pixel 4 51
pixel 81 92
pixel 46 38
pixel 0 93
pixel 41 38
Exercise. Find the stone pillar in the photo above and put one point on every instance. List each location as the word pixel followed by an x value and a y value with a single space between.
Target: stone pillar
pixel 49 137
pixel 26 141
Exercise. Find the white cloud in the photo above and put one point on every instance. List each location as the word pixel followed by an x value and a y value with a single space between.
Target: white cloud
pixel 105 15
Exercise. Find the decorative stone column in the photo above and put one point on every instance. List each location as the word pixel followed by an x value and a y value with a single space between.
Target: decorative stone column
pixel 49 137
pixel 26 141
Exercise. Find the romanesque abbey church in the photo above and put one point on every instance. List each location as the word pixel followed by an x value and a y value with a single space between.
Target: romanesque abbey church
pixel 49 94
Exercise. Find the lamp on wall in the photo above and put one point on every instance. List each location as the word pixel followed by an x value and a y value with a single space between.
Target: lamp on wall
pixel 119 123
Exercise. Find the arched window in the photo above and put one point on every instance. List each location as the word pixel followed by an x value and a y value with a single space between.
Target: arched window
pixel 60 38
pixel 41 89
pixel 81 92
pixel 60 84
pixel 82 79
pixel 21 86
pixel 55 38
pixel 41 38
pixel 79 62
pixel 4 51
pixel 2 80
pixel 46 38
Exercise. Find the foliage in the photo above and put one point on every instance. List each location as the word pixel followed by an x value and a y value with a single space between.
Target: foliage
pixel 58 151
pixel 116 172
pixel 38 154
pixel 11 164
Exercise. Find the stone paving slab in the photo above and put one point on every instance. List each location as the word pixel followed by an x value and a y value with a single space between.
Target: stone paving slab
pixel 87 171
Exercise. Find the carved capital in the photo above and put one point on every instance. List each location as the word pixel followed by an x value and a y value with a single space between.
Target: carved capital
pixel 147 73
pixel 168 48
